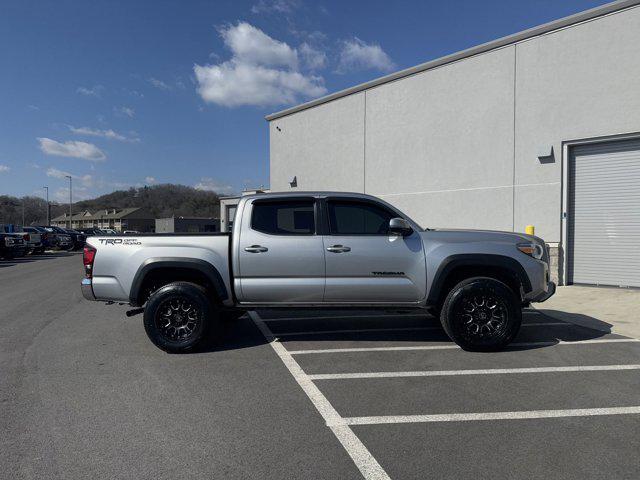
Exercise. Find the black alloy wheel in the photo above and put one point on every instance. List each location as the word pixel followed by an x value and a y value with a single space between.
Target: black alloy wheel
pixel 481 314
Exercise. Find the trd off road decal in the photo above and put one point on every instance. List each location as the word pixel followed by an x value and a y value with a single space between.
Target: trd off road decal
pixel 388 273
pixel 119 241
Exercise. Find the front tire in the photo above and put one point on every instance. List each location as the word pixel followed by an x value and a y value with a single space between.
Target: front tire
pixel 481 314
pixel 177 316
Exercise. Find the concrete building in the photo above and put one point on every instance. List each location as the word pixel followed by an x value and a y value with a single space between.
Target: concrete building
pixel 138 219
pixel 187 225
pixel 539 128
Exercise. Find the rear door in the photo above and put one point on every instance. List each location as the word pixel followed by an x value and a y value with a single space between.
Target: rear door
pixel 281 258
pixel 364 263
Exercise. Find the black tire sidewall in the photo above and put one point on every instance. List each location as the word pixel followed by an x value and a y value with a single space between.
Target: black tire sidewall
pixel 453 326
pixel 194 294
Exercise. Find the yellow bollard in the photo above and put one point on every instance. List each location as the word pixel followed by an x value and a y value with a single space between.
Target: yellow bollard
pixel 530 230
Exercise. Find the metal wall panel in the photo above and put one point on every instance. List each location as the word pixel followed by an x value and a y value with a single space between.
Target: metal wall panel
pixel 604 214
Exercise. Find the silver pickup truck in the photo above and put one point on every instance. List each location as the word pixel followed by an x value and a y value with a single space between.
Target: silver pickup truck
pixel 318 250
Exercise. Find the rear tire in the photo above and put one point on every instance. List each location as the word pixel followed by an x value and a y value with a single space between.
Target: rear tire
pixel 178 316
pixel 481 314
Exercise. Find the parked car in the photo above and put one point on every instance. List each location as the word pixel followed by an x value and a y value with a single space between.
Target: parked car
pixel 19 248
pixel 33 239
pixel 77 237
pixel 109 231
pixel 88 232
pixel 48 240
pixel 61 239
pixel 11 245
pixel 322 250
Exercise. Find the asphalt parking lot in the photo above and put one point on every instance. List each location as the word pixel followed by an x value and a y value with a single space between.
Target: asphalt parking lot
pixel 326 395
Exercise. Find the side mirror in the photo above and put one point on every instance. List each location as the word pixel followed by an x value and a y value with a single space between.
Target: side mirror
pixel 399 226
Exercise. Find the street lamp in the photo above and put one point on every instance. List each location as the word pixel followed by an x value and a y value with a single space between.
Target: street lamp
pixel 48 209
pixel 70 213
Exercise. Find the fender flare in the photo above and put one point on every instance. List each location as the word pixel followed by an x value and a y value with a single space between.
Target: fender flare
pixel 202 266
pixel 475 260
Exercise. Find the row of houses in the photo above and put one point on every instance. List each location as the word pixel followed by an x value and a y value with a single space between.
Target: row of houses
pixel 136 219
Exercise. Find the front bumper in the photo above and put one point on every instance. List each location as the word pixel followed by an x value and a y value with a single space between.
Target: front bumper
pixel 551 289
pixel 87 289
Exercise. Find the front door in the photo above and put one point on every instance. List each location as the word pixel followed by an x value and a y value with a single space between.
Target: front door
pixel 364 262
pixel 281 259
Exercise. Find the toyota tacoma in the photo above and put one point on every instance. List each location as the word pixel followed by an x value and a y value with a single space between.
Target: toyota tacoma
pixel 321 250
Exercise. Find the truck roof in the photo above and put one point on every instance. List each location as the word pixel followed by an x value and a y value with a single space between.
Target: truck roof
pixel 310 193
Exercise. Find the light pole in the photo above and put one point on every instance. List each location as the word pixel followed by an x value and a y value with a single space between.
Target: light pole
pixel 48 209
pixel 70 213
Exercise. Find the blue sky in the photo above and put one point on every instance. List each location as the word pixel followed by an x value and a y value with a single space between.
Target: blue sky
pixel 131 93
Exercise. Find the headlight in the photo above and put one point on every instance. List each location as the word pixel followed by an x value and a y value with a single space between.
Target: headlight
pixel 8 241
pixel 532 249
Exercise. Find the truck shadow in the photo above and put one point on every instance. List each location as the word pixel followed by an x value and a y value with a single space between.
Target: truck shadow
pixel 341 330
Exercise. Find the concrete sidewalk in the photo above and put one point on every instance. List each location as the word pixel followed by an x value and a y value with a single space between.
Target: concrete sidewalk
pixel 614 310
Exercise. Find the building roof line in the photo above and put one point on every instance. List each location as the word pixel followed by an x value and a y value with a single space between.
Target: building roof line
pixel 561 23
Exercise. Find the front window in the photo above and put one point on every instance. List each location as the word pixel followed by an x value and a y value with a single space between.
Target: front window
pixel 348 217
pixel 290 217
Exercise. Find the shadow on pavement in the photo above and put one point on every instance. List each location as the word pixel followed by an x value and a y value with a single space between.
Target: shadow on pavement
pixel 235 335
pixel 578 319
pixel 536 336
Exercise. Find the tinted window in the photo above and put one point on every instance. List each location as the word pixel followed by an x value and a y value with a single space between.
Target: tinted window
pixel 284 218
pixel 354 218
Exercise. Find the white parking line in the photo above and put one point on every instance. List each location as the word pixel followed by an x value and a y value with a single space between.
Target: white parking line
pixel 366 463
pixel 467 417
pixel 487 371
pixel 399 329
pixel 456 347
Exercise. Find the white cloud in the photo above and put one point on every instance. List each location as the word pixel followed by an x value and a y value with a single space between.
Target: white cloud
pixel 150 180
pixel 159 84
pixel 275 6
pixel 262 71
pixel 232 85
pixel 86 180
pixel 95 91
pixel 95 132
pixel 211 185
pixel 123 110
pixel 251 45
pixel 87 151
pixel 314 59
pixel 358 55
pixel 4 168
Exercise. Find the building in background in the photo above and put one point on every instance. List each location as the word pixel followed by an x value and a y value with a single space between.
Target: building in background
pixel 138 219
pixel 539 128
pixel 187 225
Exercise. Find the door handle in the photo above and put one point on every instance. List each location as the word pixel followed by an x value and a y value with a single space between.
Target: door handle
pixel 338 249
pixel 255 249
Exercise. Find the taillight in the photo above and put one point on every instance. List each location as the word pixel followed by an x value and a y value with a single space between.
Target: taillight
pixel 88 256
pixel 26 237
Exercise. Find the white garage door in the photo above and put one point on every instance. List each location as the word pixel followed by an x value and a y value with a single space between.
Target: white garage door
pixel 604 214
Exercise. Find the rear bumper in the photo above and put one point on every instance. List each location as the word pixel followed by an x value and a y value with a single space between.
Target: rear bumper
pixel 87 289
pixel 551 289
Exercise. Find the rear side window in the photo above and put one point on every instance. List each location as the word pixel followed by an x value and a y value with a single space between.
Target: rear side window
pixel 294 217
pixel 357 218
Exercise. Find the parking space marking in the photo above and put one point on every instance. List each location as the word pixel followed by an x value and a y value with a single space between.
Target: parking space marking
pixel 456 347
pixel 366 463
pixel 486 371
pixel 468 417
pixel 400 329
